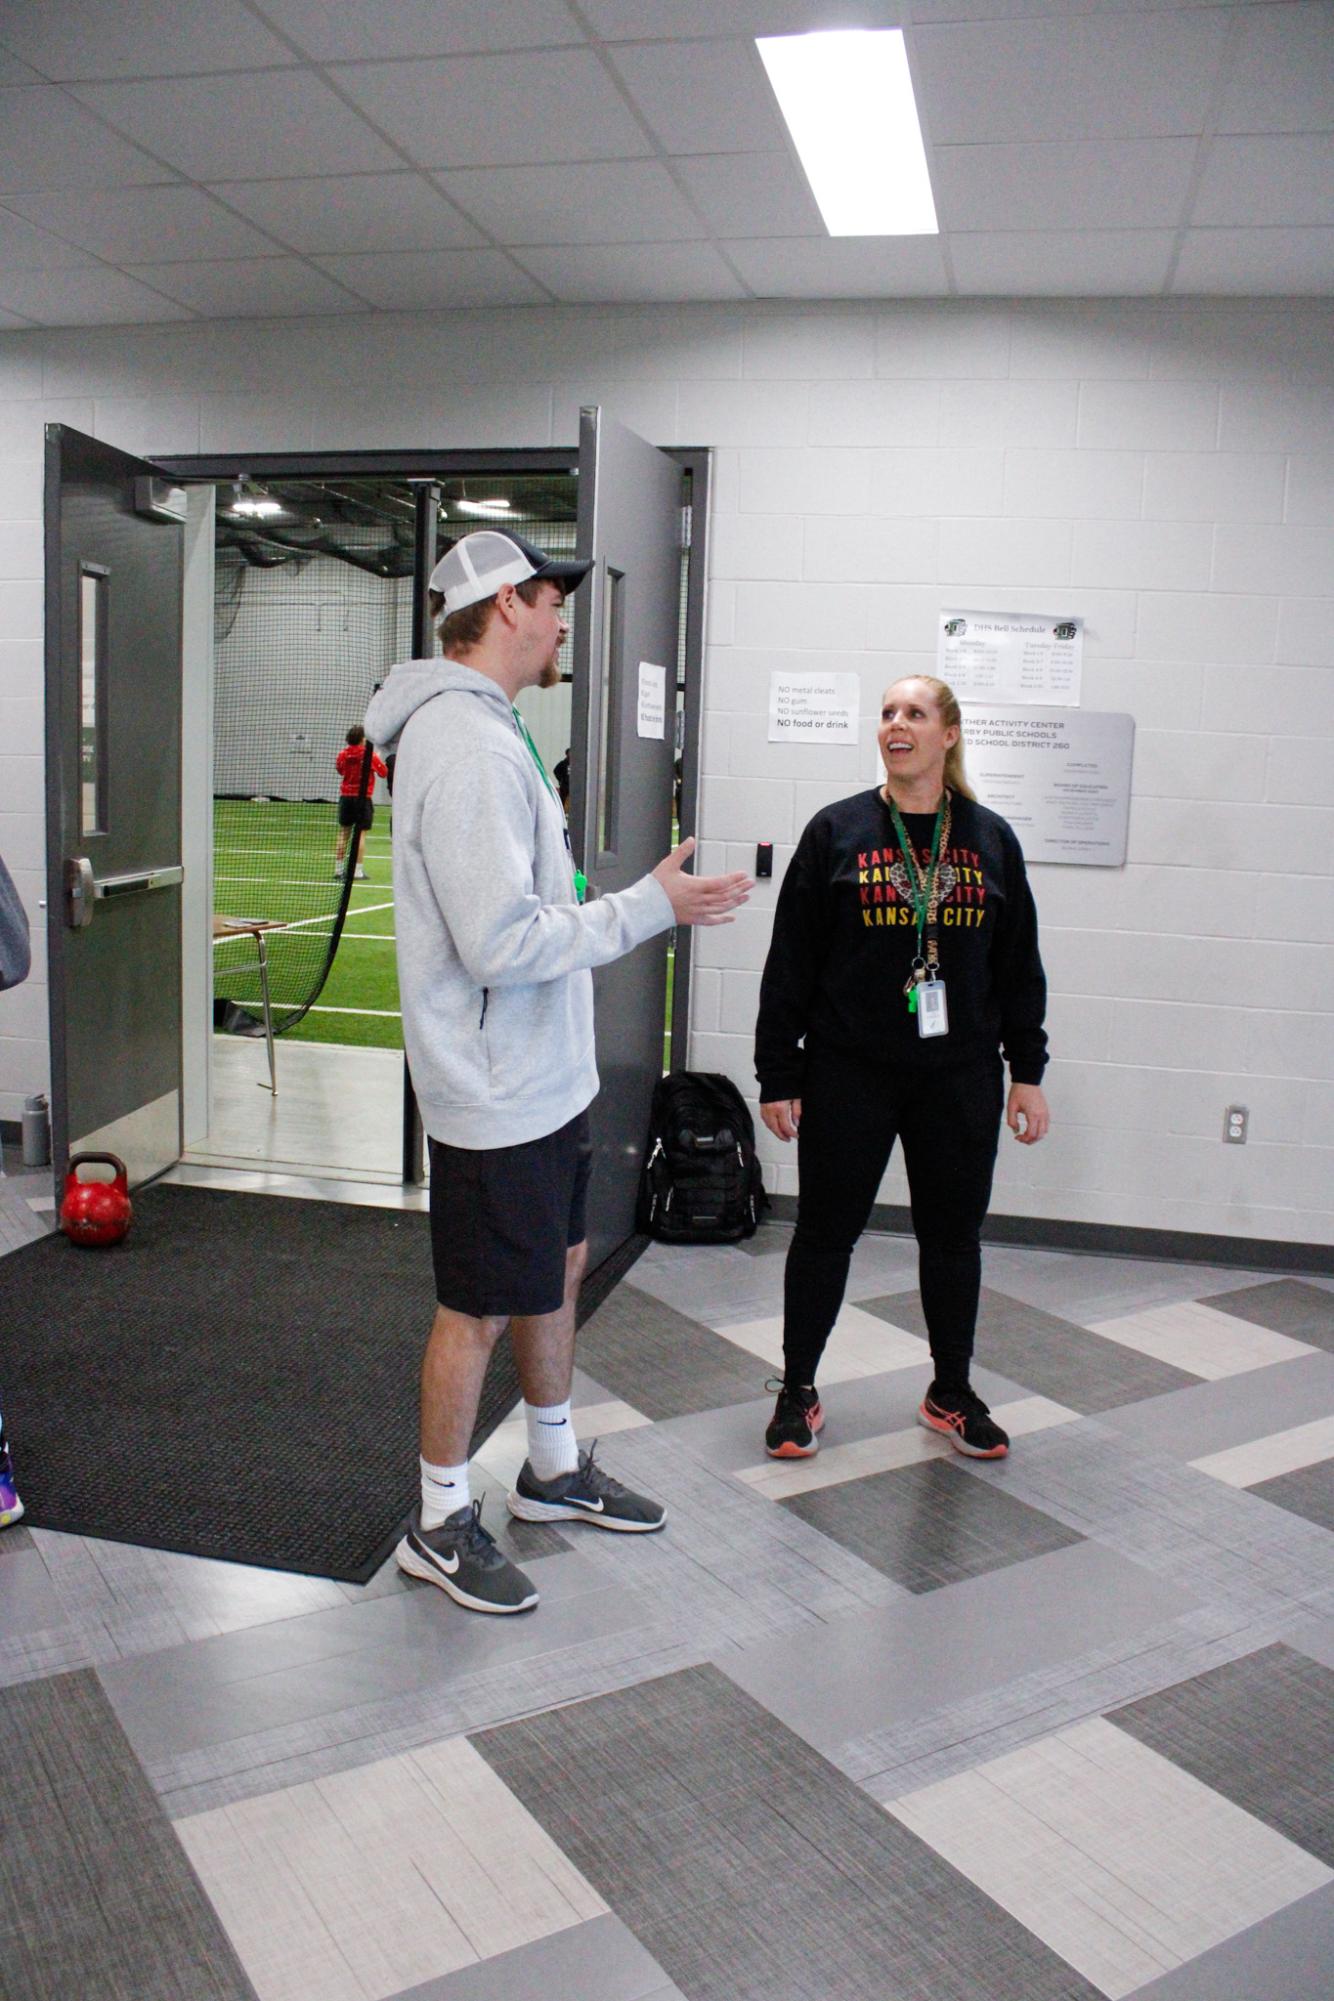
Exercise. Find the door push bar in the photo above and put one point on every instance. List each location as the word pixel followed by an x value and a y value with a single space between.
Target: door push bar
pixel 83 890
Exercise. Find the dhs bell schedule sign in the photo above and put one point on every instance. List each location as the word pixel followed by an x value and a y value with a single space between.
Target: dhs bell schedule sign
pixel 1061 777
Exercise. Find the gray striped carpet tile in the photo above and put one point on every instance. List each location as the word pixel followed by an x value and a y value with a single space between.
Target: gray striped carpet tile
pixel 1287 1305
pixel 1259 1730
pixel 930 1525
pixel 1056 1358
pixel 664 1364
pixel 97 1899
pixel 751 1868
pixel 1308 1492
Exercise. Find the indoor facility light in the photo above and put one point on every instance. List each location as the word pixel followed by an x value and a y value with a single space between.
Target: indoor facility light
pixel 848 101
pixel 260 506
pixel 482 506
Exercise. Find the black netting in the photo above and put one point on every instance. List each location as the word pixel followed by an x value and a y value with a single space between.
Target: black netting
pixel 313 605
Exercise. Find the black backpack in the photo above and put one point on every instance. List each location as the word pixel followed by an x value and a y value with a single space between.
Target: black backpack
pixel 701 1182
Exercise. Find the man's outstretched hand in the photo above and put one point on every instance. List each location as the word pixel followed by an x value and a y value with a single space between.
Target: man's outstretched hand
pixel 700 899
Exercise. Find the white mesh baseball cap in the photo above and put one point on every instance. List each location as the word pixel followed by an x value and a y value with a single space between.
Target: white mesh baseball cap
pixel 479 564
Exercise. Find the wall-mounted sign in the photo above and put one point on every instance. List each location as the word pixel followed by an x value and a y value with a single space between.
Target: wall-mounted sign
pixel 813 708
pixel 652 700
pixel 1061 777
pixel 1011 656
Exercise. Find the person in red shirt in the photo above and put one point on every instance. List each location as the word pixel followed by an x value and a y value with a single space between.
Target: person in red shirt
pixel 354 811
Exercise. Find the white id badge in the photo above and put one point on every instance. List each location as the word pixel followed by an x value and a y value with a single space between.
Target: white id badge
pixel 932 1014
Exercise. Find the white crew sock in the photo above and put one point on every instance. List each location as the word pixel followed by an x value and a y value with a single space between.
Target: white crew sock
pixel 552 1446
pixel 444 1492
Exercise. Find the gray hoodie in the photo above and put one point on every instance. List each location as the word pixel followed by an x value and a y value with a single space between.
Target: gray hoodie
pixel 494 950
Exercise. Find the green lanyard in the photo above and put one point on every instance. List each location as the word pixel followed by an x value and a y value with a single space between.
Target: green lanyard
pixel 580 879
pixel 923 885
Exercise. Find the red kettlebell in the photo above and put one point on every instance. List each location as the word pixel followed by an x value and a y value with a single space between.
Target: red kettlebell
pixel 96 1212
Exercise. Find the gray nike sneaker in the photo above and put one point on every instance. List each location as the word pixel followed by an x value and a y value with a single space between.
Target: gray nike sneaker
pixel 463 1560
pixel 589 1495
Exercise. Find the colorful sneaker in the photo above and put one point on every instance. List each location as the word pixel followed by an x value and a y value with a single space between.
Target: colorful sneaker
pixel 463 1560
pixel 588 1495
pixel 11 1507
pixel 965 1420
pixel 796 1419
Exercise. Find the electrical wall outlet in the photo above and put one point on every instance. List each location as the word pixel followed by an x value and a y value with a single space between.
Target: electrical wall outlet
pixel 1235 1120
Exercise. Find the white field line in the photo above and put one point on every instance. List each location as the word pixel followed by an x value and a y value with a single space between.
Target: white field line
pixel 384 1013
pixel 300 923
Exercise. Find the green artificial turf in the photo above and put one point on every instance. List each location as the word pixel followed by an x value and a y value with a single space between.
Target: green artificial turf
pixel 274 859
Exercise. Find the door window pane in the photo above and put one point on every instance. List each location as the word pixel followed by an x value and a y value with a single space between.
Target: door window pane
pixel 92 700
pixel 608 789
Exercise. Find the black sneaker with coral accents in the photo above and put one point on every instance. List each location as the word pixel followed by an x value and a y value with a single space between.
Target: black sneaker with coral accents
pixel 463 1560
pixel 965 1421
pixel 587 1495
pixel 797 1417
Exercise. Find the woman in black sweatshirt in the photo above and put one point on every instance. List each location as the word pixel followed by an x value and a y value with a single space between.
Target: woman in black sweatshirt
pixel 904 960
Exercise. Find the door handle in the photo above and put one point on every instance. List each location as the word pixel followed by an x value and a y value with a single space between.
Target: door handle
pixel 138 879
pixel 80 889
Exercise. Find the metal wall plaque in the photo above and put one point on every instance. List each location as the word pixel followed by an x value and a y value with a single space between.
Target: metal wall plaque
pixel 1061 777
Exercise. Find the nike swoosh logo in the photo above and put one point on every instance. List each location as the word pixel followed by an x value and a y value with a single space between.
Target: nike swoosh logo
pixel 589 1507
pixel 448 1564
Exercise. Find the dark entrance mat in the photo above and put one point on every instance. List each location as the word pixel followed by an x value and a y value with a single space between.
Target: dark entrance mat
pixel 98 1897
pixel 238 1379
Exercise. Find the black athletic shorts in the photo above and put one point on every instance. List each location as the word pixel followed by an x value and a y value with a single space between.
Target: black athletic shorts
pixel 353 812
pixel 503 1217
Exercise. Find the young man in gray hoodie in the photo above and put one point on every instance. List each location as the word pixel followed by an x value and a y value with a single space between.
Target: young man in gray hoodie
pixel 495 950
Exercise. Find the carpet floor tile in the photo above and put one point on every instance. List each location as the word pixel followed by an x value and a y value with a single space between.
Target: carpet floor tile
pixel 1287 1305
pixel 1197 1338
pixel 361 1885
pixel 96 1896
pixel 930 1525
pixel 1123 1863
pixel 1260 1731
pixel 1052 1356
pixel 1309 1492
pixel 683 1796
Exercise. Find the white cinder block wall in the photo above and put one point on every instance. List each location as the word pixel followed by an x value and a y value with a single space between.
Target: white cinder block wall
pixel 1164 468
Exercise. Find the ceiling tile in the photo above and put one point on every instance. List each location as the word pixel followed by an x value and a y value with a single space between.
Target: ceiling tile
pixel 1106 184
pixel 630 273
pixel 1288 178
pixel 485 111
pixel 352 212
pixel 609 201
pixel 24 248
pixel 1282 77
pixel 1102 76
pixel 97 38
pixel 636 20
pixel 269 122
pixel 703 97
pixel 1072 263
pixel 1296 261
pixel 362 30
pixel 405 280
pixel 143 225
pixel 84 298
pixel 269 287
pixel 750 194
pixel 47 142
pixel 841 267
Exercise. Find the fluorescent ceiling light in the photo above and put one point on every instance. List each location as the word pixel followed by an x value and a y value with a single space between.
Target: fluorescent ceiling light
pixel 482 506
pixel 847 98
pixel 261 506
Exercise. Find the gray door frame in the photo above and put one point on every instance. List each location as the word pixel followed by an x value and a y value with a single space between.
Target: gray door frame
pixel 694 460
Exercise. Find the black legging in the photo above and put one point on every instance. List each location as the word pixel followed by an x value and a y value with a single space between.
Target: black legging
pixel 949 1122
